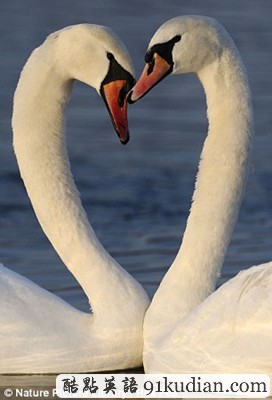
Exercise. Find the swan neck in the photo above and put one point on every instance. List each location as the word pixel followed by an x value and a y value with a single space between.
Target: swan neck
pixel 39 142
pixel 218 190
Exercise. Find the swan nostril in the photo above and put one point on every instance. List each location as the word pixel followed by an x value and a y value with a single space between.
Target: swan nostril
pixel 122 96
pixel 151 66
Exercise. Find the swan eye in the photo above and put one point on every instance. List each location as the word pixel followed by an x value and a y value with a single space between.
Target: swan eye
pixel 176 39
pixel 164 49
pixel 148 57
pixel 110 56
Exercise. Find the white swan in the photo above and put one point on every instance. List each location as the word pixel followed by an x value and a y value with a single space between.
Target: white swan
pixel 39 331
pixel 187 329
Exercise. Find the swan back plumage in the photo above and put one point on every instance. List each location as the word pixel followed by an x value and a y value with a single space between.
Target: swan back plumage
pixel 229 332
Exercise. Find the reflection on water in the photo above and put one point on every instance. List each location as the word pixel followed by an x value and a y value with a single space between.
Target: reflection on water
pixel 138 196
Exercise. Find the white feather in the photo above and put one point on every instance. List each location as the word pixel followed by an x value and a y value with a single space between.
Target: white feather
pixel 187 328
pixel 40 333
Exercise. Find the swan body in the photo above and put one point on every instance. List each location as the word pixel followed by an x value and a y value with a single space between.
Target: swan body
pixel 40 333
pixel 229 332
pixel 188 327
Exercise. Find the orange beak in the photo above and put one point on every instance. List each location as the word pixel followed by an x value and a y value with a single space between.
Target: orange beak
pixel 114 96
pixel 149 79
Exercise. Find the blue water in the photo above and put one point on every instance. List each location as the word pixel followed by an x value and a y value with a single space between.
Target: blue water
pixel 138 196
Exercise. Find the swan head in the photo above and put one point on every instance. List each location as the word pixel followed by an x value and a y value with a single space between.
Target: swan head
pixel 184 44
pixel 94 55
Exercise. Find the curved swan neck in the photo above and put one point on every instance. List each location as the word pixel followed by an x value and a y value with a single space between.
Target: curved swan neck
pixel 39 143
pixel 218 192
pixel 221 177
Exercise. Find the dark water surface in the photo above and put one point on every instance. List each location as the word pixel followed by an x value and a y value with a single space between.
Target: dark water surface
pixel 138 196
